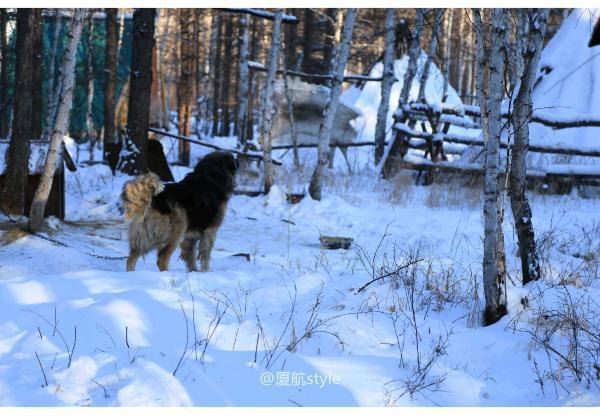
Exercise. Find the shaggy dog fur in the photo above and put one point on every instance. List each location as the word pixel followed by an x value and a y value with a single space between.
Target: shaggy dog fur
pixel 184 213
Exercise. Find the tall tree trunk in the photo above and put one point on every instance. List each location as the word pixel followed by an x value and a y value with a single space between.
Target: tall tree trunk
pixel 386 84
pixel 135 153
pixel 186 94
pixel 211 72
pixel 217 76
pixel 244 78
pixel 89 75
pixel 316 182
pixel 15 181
pixel 226 102
pixel 490 99
pixel 433 45
pixel 53 156
pixel 51 99
pixel 110 86
pixel 398 148
pixel 267 101
pixel 291 35
pixel 37 98
pixel 4 105
pixel 308 41
pixel 523 109
pixel 253 82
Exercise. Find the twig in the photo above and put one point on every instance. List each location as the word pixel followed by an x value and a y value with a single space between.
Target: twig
pixel 388 274
pixel 215 147
pixel 186 339
pixel 106 396
pixel 42 368
pixel 73 348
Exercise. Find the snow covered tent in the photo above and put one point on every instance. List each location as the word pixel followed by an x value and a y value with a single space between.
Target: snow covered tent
pixel 568 85
pixel 367 98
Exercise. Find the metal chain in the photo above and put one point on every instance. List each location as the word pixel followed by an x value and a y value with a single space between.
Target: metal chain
pixel 59 243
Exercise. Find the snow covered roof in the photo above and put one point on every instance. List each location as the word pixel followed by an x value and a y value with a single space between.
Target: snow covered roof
pixel 568 82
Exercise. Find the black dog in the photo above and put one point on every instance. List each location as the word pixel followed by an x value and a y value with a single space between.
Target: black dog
pixel 204 194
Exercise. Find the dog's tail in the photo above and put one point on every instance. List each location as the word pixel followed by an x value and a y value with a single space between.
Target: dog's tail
pixel 137 194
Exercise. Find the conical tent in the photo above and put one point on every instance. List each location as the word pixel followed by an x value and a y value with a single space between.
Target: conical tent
pixel 568 83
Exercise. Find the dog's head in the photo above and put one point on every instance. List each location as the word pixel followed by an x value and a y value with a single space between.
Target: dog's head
pixel 222 159
pixel 218 164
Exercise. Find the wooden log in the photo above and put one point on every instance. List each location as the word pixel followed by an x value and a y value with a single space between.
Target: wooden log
pixel 539 118
pixel 340 145
pixel 585 174
pixel 350 78
pixel 475 141
pixel 213 146
pixel 262 14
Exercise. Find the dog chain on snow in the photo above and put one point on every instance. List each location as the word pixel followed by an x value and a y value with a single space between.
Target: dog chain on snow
pixel 59 243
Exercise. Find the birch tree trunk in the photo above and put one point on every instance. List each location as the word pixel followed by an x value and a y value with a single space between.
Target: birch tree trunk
pixel 523 109
pixel 212 65
pixel 267 102
pixel 89 119
pixel 61 123
pixel 386 83
pixel 316 183
pixel 227 79
pixel 433 44
pixel 490 99
pixel 15 181
pixel 398 146
pixel 217 76
pixel 244 80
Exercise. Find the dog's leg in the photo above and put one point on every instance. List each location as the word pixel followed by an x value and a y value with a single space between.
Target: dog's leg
pixel 206 244
pixel 164 255
pixel 132 260
pixel 189 247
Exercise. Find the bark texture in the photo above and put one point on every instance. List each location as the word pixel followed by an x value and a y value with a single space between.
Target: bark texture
pixel 490 98
pixel 244 78
pixel 316 183
pixel 267 102
pixel 61 123
pixel 140 83
pixel 386 84
pixel 15 183
pixel 398 148
pixel 186 92
pixel 523 109
pixel 110 73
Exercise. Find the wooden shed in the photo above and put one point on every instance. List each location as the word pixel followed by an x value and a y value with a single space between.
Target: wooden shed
pixel 37 157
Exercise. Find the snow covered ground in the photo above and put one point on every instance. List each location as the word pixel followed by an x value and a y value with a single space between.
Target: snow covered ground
pixel 288 327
